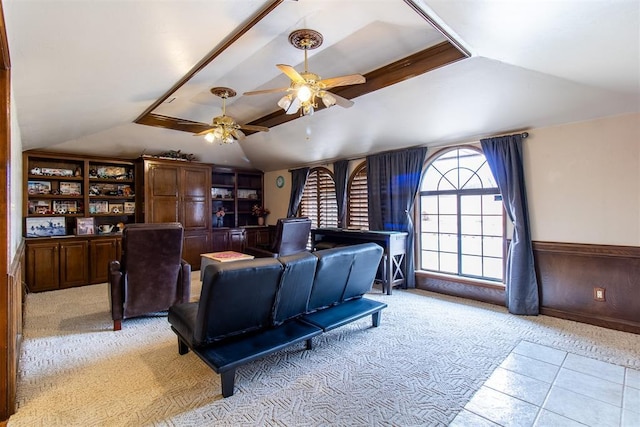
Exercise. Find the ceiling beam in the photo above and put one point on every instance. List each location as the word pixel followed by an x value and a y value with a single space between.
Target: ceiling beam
pixel 396 72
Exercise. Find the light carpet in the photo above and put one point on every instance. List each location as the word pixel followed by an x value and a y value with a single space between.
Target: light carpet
pixel 420 367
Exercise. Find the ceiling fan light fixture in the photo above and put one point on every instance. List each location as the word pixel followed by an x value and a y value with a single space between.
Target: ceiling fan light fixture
pixel 304 93
pixel 224 129
pixel 327 99
pixel 285 102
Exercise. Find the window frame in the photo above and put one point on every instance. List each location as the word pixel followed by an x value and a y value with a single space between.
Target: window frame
pixel 456 277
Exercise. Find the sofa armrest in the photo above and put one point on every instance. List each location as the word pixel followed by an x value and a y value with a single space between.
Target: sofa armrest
pixel 184 282
pixel 116 290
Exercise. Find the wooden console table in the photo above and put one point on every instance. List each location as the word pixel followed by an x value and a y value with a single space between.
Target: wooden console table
pixel 393 242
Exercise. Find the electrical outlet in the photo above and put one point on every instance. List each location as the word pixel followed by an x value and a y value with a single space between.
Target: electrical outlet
pixel 598 294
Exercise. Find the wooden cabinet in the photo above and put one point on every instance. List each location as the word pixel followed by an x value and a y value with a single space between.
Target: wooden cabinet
pixel 74 265
pixel 228 239
pixel 176 191
pixel 257 236
pixel 101 253
pixel 56 264
pixel 43 266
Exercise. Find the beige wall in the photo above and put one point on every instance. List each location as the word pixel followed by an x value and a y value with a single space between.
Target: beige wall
pixel 583 182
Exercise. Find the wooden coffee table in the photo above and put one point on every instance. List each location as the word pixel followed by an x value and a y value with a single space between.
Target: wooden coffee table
pixel 224 256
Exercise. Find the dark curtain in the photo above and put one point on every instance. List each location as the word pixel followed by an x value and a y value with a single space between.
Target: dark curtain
pixel 340 169
pixel 504 156
pixel 298 181
pixel 392 181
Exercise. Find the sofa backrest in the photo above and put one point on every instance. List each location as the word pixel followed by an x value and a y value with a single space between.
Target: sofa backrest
pixel 363 271
pixel 150 264
pixel 236 298
pixel 295 286
pixel 344 272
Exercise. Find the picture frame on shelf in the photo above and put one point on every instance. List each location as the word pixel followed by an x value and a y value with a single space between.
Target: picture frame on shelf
pixel 62 207
pixel 38 187
pixel 116 208
pixel 109 172
pixel 70 188
pixel 99 207
pixel 40 207
pixel 129 207
pixel 85 226
pixel 45 227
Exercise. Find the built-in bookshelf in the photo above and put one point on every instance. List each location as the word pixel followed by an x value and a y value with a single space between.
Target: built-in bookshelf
pixel 67 195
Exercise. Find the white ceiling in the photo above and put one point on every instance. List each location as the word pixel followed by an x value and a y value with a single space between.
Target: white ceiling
pixel 83 71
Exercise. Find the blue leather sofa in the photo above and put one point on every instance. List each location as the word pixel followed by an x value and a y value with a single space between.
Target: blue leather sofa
pixel 249 309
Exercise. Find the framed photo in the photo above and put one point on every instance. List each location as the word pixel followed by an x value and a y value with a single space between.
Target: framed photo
pixel 99 207
pixel 42 207
pixel 62 207
pixel 39 187
pixel 129 207
pixel 70 188
pixel 85 226
pixel 46 227
pixel 109 172
pixel 116 208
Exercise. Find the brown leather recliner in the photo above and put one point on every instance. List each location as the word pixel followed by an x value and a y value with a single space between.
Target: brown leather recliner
pixel 292 237
pixel 151 276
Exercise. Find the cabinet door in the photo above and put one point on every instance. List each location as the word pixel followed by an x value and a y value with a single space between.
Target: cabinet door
pixel 194 245
pixel 236 237
pixel 220 240
pixel 163 193
pixel 43 266
pixel 74 268
pixel 101 252
pixel 195 191
pixel 256 237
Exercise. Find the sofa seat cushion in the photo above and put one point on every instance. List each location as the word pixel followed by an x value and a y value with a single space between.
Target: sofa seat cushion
pixel 341 314
pixel 237 351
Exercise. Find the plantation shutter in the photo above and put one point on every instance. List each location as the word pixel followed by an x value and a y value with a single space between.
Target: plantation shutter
pixel 319 199
pixel 358 204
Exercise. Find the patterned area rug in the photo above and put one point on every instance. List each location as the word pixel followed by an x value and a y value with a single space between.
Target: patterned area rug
pixel 420 367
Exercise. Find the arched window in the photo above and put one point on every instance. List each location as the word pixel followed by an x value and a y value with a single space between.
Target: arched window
pixel 319 199
pixel 461 217
pixel 358 202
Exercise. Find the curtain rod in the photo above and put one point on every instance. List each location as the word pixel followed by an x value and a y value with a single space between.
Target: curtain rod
pixel 330 161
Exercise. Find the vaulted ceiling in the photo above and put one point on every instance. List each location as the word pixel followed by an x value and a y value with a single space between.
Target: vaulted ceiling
pixel 122 78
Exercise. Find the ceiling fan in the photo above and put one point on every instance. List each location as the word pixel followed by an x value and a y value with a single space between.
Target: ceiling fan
pixel 306 87
pixel 223 128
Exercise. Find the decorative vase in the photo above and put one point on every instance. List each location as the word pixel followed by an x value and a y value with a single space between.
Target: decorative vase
pixel 260 220
pixel 220 221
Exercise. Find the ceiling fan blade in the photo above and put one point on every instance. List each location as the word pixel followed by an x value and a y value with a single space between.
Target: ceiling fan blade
pixel 237 134
pixel 351 79
pixel 343 102
pixel 291 73
pixel 259 92
pixel 254 128
pixel 204 132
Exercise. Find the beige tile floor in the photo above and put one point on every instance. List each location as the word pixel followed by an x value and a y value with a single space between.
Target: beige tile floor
pixel 542 386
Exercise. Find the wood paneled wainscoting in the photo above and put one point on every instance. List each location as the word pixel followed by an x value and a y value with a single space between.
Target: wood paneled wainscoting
pixel 13 319
pixel 568 274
